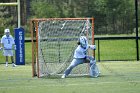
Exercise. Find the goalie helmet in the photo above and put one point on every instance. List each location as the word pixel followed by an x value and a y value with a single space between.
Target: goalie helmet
pixel 83 41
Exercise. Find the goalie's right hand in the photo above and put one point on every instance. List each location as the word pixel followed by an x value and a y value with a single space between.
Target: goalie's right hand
pixel 93 47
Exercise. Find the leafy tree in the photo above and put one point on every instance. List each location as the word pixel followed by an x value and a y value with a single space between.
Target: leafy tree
pixel 43 9
pixel 6 21
pixel 111 16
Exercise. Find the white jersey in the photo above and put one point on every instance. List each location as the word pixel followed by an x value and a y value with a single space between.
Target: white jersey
pixel 7 42
pixel 80 52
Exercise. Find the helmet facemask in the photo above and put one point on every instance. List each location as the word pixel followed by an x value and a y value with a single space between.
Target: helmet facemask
pixel 83 42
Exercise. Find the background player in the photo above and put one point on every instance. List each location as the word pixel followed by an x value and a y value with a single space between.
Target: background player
pixel 80 57
pixel 8 44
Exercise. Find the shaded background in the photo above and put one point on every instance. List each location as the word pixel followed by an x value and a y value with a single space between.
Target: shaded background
pixel 115 18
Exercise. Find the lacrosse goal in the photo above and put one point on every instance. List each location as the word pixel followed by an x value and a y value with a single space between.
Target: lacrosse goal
pixel 54 41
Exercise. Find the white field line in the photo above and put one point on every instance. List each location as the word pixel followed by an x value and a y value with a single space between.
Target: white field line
pixel 64 84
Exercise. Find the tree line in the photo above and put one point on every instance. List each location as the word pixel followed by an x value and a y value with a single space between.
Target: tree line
pixel 111 16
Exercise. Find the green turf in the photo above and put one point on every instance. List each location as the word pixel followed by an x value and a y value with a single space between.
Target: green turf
pixel 117 50
pixel 116 77
pixel 109 50
pixel 28 52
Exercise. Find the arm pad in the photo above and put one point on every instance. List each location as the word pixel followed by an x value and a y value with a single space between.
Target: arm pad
pixel 93 47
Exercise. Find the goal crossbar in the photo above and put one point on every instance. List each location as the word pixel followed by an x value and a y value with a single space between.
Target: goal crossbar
pixel 9 4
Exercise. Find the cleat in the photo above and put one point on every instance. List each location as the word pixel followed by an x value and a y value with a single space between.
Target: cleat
pixel 6 64
pixel 63 76
pixel 14 65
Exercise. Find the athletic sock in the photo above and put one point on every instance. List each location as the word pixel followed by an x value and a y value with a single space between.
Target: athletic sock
pixel 6 64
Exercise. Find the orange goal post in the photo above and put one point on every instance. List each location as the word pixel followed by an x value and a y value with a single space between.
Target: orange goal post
pixel 54 41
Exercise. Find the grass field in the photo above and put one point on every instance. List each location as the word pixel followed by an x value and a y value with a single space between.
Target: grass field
pixel 109 50
pixel 116 77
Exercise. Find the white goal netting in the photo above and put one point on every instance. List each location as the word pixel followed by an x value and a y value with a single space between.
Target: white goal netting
pixel 56 42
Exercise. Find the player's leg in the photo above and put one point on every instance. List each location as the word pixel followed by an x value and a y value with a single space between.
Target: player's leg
pixel 12 57
pixel 73 64
pixel 5 54
pixel 94 70
pixel 6 60
pixel 91 60
pixel 12 60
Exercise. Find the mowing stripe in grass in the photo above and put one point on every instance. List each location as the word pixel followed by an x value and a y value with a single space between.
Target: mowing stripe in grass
pixel 76 84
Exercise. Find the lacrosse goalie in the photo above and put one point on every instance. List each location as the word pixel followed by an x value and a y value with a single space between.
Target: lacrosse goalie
pixel 80 57
pixel 8 45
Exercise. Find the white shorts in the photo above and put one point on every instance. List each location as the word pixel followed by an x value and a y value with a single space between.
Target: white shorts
pixel 8 52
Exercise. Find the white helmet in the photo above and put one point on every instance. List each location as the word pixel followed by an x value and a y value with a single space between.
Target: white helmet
pixel 83 41
pixel 7 31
